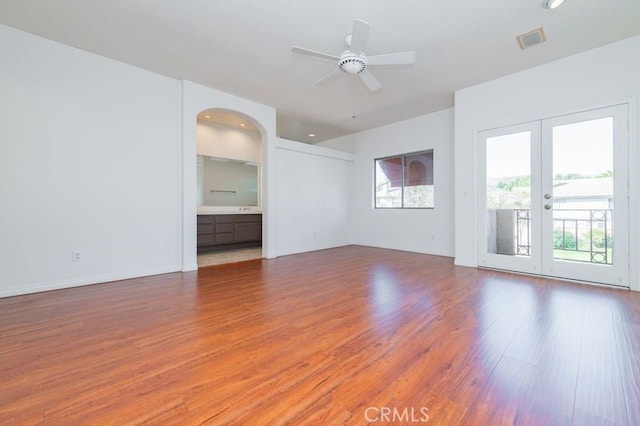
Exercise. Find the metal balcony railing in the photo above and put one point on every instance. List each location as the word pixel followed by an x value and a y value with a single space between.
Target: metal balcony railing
pixel 582 235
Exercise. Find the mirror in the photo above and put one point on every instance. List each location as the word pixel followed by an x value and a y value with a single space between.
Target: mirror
pixel 223 182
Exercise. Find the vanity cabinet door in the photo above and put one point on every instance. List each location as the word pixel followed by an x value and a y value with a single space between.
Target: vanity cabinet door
pixel 248 227
pixel 246 232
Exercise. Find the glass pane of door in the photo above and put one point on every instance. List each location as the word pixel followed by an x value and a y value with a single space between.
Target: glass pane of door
pixel 508 194
pixel 585 209
pixel 555 197
pixel 583 192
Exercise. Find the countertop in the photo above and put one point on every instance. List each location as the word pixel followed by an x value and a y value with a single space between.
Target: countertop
pixel 228 210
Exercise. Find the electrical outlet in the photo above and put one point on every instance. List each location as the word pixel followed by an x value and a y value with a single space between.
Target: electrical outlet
pixel 76 256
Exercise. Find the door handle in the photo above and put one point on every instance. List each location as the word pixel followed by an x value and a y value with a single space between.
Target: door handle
pixel 547 196
pixel 547 206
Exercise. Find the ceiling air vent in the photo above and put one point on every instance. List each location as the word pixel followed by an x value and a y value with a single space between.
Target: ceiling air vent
pixel 531 38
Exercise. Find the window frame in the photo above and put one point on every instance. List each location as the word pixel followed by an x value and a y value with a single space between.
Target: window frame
pixel 402 201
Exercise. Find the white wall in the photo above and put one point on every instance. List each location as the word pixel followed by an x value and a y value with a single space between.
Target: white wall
pixel 418 230
pixel 218 140
pixel 89 162
pixel 197 98
pixel 596 78
pixel 343 143
pixel 313 198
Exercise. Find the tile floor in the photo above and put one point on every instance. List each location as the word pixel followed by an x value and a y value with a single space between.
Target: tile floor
pixel 231 256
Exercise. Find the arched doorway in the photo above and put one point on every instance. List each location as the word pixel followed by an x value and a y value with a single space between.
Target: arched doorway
pixel 229 187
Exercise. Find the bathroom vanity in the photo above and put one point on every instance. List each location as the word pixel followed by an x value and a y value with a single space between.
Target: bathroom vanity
pixel 218 232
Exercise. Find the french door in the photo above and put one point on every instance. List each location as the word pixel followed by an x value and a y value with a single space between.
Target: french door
pixel 554 197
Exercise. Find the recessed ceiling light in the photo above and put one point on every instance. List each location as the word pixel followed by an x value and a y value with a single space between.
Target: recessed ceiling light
pixel 242 124
pixel 312 135
pixel 207 116
pixel 551 4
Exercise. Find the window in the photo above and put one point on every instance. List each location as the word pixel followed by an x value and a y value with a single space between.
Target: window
pixel 404 181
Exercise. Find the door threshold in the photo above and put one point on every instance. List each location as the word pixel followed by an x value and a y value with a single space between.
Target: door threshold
pixel 551 277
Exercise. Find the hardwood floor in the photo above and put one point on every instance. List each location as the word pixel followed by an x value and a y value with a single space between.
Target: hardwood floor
pixel 352 335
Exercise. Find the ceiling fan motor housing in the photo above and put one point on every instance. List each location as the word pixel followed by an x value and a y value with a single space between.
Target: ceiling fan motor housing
pixel 351 63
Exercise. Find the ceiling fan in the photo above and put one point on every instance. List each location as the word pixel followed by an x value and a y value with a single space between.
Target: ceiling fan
pixel 354 61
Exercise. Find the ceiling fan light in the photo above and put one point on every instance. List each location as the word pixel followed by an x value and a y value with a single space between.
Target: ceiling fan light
pixel 551 4
pixel 352 64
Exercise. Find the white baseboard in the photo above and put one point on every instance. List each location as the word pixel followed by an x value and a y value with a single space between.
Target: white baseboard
pixel 295 250
pixel 82 281
pixel 444 253
pixel 188 267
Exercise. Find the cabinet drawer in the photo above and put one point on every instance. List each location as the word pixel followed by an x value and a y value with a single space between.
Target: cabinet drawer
pixel 226 218
pixel 248 218
pixel 224 227
pixel 224 238
pixel 205 228
pixel 205 219
pixel 246 232
pixel 205 240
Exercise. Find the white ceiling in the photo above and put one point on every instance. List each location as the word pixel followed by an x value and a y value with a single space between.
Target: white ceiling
pixel 244 47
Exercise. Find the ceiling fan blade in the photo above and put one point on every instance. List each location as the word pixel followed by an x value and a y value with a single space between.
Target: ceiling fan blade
pixel 325 78
pixel 359 36
pixel 310 52
pixel 369 80
pixel 399 58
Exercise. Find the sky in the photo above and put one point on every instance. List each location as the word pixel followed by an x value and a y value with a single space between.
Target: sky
pixel 585 148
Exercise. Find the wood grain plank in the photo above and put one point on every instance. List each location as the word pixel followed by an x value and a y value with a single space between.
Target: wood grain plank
pixel 599 391
pixel 500 398
pixel 318 338
pixel 628 342
pixel 551 340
